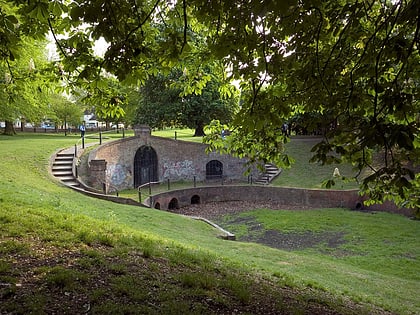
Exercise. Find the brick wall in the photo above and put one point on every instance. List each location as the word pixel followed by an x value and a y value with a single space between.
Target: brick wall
pixel 283 195
pixel 301 197
pixel 176 160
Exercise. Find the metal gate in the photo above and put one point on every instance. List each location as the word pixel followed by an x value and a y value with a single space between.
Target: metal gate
pixel 214 169
pixel 145 166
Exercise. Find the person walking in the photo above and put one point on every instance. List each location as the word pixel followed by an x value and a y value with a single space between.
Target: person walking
pixel 82 130
pixel 285 129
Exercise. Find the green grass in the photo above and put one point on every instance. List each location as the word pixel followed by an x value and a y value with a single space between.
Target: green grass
pixel 311 175
pixel 177 133
pixel 104 251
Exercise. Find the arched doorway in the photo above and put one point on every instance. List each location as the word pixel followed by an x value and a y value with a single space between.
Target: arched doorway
pixel 145 166
pixel 195 200
pixel 173 204
pixel 214 169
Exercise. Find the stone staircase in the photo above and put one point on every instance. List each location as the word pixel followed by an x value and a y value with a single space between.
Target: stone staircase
pixel 62 168
pixel 271 172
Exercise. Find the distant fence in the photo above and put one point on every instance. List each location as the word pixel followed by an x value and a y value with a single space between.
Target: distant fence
pixel 61 130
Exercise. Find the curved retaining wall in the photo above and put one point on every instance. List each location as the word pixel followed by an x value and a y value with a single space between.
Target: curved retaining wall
pixel 287 196
pixel 301 197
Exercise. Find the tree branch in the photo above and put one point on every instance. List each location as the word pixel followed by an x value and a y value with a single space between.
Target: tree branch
pixel 411 48
pixel 56 39
pixel 144 21
pixel 184 7
pixel 379 56
pixel 317 51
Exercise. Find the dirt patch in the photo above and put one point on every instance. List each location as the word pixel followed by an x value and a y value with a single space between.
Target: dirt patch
pixel 214 210
pixel 257 233
pixel 95 280
pixel 296 241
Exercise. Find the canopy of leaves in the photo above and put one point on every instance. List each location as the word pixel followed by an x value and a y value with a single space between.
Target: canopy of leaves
pixel 26 84
pixel 358 60
pixel 65 112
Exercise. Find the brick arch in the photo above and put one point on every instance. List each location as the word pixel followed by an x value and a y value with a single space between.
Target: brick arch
pixel 145 166
pixel 173 204
pixel 195 200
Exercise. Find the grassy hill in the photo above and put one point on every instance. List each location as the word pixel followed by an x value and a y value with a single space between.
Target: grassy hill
pixel 62 252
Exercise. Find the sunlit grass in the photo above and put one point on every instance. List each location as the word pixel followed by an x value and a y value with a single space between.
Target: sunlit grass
pixel 178 134
pixel 378 263
pixel 311 175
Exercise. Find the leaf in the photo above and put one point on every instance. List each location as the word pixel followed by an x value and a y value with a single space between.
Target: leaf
pixel 328 183
pixel 12 19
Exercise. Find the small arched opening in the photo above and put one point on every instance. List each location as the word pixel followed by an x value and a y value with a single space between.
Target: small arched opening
pixel 173 204
pixel 157 205
pixel 195 200
pixel 214 169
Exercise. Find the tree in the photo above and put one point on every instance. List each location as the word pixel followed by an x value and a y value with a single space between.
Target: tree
pixel 163 102
pixel 357 59
pixel 157 102
pixel 66 113
pixel 107 99
pixel 24 91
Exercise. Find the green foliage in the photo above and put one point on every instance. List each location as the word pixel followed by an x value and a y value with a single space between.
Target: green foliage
pixel 267 146
pixel 166 102
pixel 354 63
pixel 197 280
pixel 63 278
pixel 66 113
pixel 26 84
pixel 108 98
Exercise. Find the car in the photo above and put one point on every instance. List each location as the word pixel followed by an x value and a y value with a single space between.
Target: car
pixel 120 126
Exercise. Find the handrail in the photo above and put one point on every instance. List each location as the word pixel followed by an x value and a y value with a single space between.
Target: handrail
pixel 150 190
pixel 147 184
pixel 81 142
pixel 106 186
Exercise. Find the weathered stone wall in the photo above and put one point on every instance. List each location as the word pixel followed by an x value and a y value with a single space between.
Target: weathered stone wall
pixel 300 197
pixel 98 172
pixel 177 160
pixel 286 196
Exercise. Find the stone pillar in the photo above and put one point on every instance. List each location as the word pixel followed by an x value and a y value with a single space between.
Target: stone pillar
pixel 97 174
pixel 142 130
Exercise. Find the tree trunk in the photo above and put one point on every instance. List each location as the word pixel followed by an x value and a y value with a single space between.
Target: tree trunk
pixel 9 128
pixel 199 131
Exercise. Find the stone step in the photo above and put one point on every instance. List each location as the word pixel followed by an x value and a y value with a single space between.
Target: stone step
pixel 62 167
pixel 271 171
pixel 63 159
pixel 64 162
pixel 72 183
pixel 67 178
pixel 62 173
pixel 65 155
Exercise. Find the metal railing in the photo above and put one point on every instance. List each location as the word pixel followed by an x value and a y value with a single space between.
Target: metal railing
pixel 98 135
pixel 106 187
pixel 149 184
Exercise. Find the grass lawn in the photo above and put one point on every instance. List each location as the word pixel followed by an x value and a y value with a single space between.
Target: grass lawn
pixel 177 133
pixel 311 175
pixel 374 254
pixel 63 252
